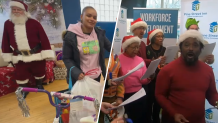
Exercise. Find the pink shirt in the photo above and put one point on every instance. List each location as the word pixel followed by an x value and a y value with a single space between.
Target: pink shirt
pixel 132 83
pixel 89 49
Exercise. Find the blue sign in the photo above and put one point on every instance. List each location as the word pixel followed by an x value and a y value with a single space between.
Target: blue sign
pixel 117 32
pixel 196 5
pixel 164 19
pixel 122 14
pixel 213 27
pixel 209 114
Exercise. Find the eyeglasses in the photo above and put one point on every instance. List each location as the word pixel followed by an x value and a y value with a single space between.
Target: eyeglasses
pixel 160 36
pixel 134 48
pixel 141 28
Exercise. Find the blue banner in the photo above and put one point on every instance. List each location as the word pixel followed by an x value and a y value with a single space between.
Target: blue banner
pixel 164 19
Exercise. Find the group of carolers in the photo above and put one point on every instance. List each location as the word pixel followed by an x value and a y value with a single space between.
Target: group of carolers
pixel 147 109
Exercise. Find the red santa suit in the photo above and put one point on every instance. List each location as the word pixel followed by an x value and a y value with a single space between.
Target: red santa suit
pixel 27 46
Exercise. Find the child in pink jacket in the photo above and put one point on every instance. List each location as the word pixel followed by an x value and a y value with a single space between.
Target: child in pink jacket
pixel 132 83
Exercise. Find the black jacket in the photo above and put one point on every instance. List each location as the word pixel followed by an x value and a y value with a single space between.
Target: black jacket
pixel 151 53
pixel 71 53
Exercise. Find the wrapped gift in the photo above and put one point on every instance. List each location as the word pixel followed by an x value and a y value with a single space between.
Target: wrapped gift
pixel 7 83
pixel 49 75
pixel 60 73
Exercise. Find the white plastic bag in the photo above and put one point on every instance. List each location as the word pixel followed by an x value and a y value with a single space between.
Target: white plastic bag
pixel 85 87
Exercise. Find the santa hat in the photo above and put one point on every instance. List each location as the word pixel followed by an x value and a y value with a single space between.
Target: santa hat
pixel 137 23
pixel 21 5
pixel 151 34
pixel 127 40
pixel 191 34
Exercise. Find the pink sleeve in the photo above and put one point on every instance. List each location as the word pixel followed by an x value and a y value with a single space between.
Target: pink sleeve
pixel 144 81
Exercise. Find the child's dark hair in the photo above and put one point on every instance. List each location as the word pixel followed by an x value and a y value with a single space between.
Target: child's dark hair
pixel 84 10
pixel 87 7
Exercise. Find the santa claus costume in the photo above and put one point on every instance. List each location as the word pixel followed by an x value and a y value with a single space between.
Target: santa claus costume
pixel 26 44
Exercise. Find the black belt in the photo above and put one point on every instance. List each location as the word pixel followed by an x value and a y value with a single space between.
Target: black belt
pixel 29 52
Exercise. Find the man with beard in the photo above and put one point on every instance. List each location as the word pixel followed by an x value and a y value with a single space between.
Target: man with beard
pixel 25 44
pixel 192 24
pixel 183 85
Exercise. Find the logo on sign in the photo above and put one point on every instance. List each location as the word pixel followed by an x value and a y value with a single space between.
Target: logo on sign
pixel 196 5
pixel 122 14
pixel 213 27
pixel 117 32
pixel 209 114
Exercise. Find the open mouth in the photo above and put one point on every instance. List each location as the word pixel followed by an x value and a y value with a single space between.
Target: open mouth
pixel 190 55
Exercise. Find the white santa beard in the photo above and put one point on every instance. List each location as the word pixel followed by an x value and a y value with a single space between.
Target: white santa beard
pixel 18 20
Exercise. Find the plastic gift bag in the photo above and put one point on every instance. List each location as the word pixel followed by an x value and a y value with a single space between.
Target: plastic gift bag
pixel 84 87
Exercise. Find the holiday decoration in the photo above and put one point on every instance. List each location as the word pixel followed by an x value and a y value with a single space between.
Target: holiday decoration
pixel 41 10
pixel 2 5
pixel 45 10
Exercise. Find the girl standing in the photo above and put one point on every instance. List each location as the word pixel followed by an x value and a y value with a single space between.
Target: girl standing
pixel 83 47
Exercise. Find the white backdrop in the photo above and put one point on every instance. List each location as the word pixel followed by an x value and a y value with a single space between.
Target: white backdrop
pixel 204 11
pixel 121 30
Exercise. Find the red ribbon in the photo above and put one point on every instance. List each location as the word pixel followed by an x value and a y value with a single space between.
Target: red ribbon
pixel 92 72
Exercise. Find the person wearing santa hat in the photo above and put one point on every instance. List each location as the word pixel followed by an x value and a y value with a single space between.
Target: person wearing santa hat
pixel 133 83
pixel 138 28
pixel 183 85
pixel 192 24
pixel 26 44
pixel 154 50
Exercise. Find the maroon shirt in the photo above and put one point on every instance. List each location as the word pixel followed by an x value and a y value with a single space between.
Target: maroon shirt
pixel 182 89
pixel 142 53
